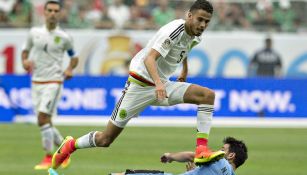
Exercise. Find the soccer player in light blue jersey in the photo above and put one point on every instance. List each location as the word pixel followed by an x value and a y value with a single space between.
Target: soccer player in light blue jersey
pixel 235 156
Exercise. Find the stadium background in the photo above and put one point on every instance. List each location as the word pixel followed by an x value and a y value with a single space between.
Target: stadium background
pixel 106 42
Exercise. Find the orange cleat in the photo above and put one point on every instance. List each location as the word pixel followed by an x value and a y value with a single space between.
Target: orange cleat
pixel 63 152
pixel 204 155
pixel 44 164
pixel 66 163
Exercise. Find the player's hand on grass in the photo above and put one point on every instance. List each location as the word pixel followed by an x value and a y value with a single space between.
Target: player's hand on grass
pixel 68 74
pixel 166 158
pixel 190 166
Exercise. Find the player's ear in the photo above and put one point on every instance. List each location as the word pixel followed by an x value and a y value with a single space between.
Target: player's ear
pixel 231 156
pixel 189 15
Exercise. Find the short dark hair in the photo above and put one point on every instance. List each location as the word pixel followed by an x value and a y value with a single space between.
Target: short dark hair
pixel 239 148
pixel 202 4
pixel 52 2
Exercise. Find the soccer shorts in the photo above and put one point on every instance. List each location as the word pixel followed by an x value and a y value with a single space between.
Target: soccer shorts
pixel 45 97
pixel 136 98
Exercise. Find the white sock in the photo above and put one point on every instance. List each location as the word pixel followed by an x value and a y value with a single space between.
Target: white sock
pixel 86 141
pixel 47 138
pixel 204 118
pixel 58 138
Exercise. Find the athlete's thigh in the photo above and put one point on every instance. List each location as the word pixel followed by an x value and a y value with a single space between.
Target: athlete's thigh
pixel 36 93
pixel 134 100
pixel 196 94
pixel 49 98
pixel 175 92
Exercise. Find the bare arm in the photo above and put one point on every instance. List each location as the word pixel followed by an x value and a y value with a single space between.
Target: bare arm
pixel 186 156
pixel 26 63
pixel 68 73
pixel 151 66
pixel 184 72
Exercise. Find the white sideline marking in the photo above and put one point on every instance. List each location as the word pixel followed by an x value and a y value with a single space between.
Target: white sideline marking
pixel 176 121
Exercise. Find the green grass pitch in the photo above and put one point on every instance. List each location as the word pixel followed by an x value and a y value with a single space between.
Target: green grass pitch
pixel 271 151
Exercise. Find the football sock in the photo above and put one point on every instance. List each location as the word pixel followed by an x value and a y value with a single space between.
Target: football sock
pixel 58 138
pixel 47 138
pixel 204 122
pixel 86 141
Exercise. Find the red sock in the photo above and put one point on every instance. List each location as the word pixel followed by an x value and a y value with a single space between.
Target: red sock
pixel 201 141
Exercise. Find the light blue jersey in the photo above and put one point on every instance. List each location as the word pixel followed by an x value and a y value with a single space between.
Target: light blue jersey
pixel 221 167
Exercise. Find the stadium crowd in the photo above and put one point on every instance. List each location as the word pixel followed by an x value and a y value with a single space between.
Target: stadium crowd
pixel 252 15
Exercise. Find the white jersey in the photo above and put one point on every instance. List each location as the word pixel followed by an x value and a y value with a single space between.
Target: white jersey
pixel 173 43
pixel 47 52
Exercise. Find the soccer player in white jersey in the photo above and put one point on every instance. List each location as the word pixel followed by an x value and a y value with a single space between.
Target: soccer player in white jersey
pixel 149 84
pixel 43 55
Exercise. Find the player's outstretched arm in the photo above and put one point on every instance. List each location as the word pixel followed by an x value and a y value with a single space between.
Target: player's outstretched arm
pixel 186 156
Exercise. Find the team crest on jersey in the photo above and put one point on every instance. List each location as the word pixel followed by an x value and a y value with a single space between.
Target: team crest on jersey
pixel 166 44
pixel 57 39
pixel 122 113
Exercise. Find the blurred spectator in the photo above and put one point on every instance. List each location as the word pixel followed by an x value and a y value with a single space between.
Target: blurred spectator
pixel 236 17
pixel 220 19
pixel 266 62
pixel 256 15
pixel 119 13
pixel 264 21
pixel 92 10
pixel 137 20
pixel 6 6
pixel 79 20
pixel 180 10
pixel 4 22
pixel 285 16
pixel 105 22
pixel 163 13
pixel 21 15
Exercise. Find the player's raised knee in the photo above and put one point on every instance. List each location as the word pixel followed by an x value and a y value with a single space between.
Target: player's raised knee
pixel 208 96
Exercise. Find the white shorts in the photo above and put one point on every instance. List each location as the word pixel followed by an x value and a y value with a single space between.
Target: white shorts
pixel 45 97
pixel 136 98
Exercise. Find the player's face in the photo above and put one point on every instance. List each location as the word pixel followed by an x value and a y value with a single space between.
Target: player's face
pixel 52 13
pixel 228 155
pixel 198 21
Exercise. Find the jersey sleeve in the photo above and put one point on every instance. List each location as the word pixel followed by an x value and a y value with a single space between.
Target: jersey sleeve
pixel 29 42
pixel 69 47
pixel 166 38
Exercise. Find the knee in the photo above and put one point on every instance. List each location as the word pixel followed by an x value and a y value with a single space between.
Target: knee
pixel 102 140
pixel 43 119
pixel 208 96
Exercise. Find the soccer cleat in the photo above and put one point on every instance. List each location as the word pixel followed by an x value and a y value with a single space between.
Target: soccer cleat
pixel 66 163
pixel 52 172
pixel 63 152
pixel 204 155
pixel 44 164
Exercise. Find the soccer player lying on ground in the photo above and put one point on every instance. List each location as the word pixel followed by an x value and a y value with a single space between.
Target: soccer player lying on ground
pixel 149 84
pixel 235 156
